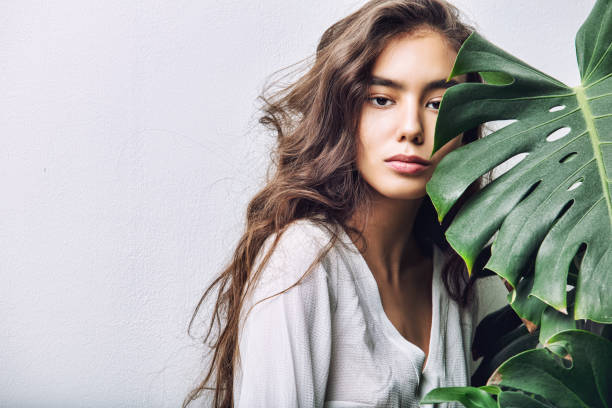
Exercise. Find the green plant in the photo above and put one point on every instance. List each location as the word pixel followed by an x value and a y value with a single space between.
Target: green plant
pixel 573 371
pixel 549 216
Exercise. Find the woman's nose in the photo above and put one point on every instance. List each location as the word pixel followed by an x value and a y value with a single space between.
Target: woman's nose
pixel 411 128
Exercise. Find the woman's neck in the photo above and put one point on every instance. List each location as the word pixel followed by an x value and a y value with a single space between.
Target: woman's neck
pixel 392 252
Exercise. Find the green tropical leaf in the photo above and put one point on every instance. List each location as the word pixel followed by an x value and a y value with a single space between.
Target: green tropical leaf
pixel 557 200
pixel 533 309
pixel 553 321
pixel 528 307
pixel 470 397
pixel 510 399
pixel 574 370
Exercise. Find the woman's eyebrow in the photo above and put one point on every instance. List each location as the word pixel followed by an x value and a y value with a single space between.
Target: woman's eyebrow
pixel 435 84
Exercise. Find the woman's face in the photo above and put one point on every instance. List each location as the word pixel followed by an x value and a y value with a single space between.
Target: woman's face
pixel 399 116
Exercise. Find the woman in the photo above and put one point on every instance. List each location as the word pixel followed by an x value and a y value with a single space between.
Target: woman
pixel 342 291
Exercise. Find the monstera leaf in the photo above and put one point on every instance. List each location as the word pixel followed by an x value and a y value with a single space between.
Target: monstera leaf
pixel 557 201
pixel 574 370
pixel 470 397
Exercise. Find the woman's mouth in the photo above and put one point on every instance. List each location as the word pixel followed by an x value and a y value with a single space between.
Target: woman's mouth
pixel 407 167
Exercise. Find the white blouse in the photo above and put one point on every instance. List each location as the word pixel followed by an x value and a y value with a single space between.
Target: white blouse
pixel 327 342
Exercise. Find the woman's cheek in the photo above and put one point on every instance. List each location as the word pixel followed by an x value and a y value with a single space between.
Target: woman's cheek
pixel 447 148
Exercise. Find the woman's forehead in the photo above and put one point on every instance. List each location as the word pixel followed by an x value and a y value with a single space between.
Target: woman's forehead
pixel 427 57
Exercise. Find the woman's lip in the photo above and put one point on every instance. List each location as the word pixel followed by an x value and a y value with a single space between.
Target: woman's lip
pixel 407 168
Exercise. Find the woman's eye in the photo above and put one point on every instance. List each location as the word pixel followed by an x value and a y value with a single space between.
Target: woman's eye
pixel 435 103
pixel 379 101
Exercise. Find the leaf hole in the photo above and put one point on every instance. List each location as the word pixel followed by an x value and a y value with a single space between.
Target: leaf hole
pixel 495 125
pixel 568 157
pixel 565 208
pixel 508 164
pixel 576 184
pixel 557 108
pixel 558 134
pixel 531 189
pixel 581 252
pixel 560 353
pixel 572 274
pixel 568 361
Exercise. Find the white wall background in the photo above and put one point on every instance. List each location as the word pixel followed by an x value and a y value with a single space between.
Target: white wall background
pixel 129 149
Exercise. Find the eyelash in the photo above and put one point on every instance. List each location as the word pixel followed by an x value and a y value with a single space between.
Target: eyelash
pixel 387 99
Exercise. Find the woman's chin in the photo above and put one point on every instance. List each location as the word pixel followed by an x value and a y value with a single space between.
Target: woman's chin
pixel 397 194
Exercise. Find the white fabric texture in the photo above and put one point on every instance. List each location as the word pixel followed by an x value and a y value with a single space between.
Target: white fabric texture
pixel 327 342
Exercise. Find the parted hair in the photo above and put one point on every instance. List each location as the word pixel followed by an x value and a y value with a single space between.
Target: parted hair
pixel 313 171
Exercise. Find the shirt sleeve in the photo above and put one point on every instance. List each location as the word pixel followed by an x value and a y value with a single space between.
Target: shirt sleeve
pixel 285 343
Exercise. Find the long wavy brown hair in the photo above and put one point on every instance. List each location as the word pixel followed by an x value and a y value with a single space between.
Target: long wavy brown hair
pixel 313 173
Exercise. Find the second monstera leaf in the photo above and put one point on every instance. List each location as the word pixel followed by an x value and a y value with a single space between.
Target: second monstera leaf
pixel 557 200
pixel 572 371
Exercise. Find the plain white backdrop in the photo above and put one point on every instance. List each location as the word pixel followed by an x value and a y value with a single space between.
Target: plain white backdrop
pixel 129 149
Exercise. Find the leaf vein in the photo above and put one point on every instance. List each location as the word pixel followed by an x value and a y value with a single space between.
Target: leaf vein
pixel 599 96
pixel 600 60
pixel 603 20
pixel 598 81
pixel 535 127
pixel 527 98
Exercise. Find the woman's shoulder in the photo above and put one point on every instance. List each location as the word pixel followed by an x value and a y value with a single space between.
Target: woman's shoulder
pixel 306 231
pixel 300 244
pixel 301 239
